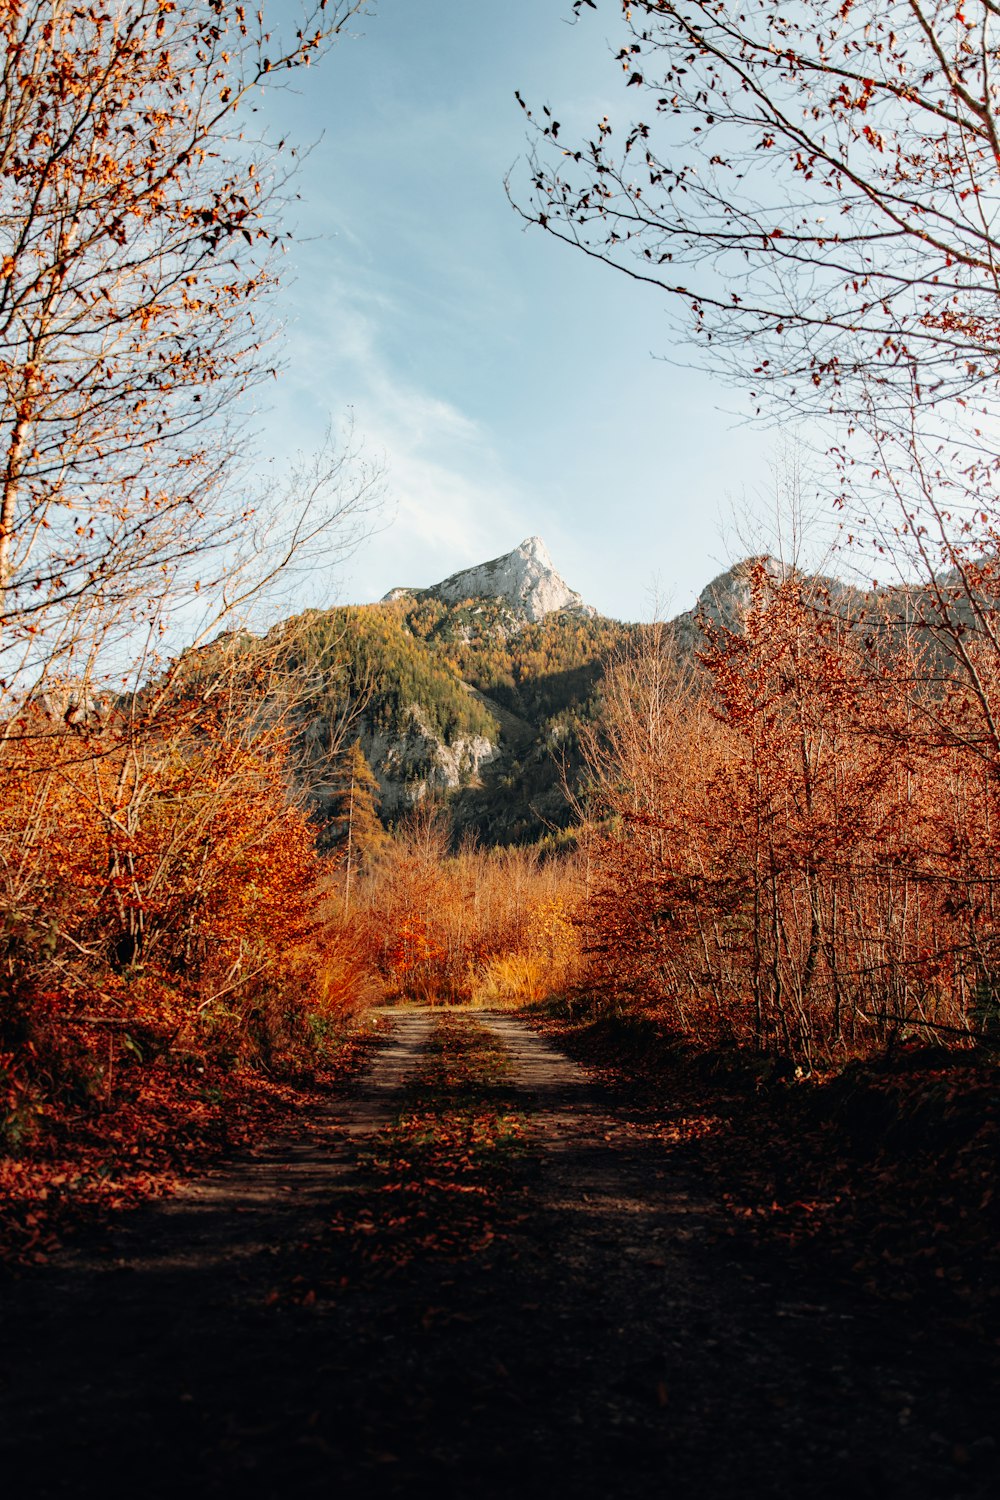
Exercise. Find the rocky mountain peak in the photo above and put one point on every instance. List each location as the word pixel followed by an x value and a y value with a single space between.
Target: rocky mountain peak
pixel 525 578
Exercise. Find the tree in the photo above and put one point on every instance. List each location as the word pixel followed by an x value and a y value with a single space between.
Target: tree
pixel 782 860
pixel 137 225
pixel 815 185
pixel 156 867
pixel 817 188
pixel 352 828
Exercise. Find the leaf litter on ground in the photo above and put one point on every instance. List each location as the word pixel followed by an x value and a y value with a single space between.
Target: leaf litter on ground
pixel 443 1179
pixel 882 1171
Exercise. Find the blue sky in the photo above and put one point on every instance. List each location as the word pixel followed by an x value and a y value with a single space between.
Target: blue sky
pixel 510 385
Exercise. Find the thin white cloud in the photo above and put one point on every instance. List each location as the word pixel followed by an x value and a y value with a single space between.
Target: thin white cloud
pixel 448 501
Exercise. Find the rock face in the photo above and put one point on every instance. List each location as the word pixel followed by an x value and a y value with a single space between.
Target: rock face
pixel 410 765
pixel 524 578
pixel 725 601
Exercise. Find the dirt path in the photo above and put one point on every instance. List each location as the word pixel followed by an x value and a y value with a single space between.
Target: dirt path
pixel 278 1192
pixel 732 1375
pixel 608 1342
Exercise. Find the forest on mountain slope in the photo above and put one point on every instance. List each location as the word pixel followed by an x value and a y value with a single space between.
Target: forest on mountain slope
pixel 385 676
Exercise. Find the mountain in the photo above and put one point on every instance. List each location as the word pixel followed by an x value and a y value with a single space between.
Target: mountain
pixel 474 688
pixel 524 579
pixel 723 602
pixel 480 688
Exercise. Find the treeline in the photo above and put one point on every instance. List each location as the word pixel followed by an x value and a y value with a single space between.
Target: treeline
pixel 476 926
pixel 161 902
pixel 537 669
pixel 367 657
pixel 798 835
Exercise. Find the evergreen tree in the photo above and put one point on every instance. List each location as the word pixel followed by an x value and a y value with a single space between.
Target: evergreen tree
pixel 352 828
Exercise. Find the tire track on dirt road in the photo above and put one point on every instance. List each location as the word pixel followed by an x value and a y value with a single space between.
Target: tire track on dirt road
pixel 240 1208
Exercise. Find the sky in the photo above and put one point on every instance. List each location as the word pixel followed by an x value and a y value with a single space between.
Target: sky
pixel 510 386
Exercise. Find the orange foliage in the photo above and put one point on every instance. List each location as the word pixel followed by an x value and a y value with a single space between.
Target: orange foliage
pixel 163 905
pixel 490 925
pixel 801 850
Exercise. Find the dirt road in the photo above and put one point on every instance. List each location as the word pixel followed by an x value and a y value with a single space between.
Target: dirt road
pixel 276 1328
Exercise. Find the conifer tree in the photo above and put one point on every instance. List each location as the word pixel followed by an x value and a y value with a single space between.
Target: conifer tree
pixel 353 829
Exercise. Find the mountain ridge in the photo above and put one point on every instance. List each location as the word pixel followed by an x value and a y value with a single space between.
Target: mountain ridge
pixel 485 687
pixel 526 656
pixel 524 578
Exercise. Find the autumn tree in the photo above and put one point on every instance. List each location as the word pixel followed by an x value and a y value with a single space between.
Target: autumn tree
pixel 814 189
pixel 786 855
pixel 351 822
pixel 468 924
pixel 814 185
pixel 157 867
pixel 137 227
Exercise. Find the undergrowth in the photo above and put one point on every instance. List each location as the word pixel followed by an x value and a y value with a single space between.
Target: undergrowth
pixel 155 1125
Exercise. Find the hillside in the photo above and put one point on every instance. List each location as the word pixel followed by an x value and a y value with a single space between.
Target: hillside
pixel 478 697
pixel 476 688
